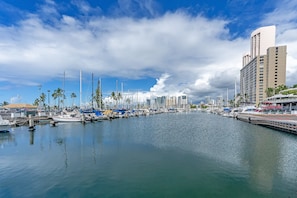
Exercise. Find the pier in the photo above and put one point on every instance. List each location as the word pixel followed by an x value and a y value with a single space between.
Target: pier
pixel 282 122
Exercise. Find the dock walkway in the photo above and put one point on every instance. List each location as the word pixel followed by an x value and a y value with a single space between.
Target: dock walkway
pixel 282 122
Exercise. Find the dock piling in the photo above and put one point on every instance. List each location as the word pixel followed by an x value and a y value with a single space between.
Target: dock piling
pixel 31 123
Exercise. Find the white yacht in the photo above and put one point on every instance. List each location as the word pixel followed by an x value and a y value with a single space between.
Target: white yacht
pixel 65 116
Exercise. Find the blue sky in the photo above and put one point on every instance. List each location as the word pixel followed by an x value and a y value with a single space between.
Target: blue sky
pixel 152 48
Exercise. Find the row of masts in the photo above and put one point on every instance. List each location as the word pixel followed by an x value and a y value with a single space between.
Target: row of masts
pixel 92 95
pixel 99 86
pixel 80 90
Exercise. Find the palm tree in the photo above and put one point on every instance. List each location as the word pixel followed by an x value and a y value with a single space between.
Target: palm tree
pixel 128 101
pixel 42 98
pixel 55 96
pixel 119 96
pixel 98 96
pixel 4 103
pixel 114 96
pixel 73 96
pixel 269 92
pixel 231 102
pixel 36 102
pixel 58 93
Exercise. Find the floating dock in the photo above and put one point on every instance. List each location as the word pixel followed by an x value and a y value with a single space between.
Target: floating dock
pixel 282 122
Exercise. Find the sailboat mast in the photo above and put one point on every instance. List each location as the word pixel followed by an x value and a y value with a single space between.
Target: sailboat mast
pixel 235 90
pixel 117 94
pixel 122 90
pixel 235 94
pixel 64 81
pixel 63 90
pixel 80 89
pixel 100 94
pixel 92 90
pixel 227 97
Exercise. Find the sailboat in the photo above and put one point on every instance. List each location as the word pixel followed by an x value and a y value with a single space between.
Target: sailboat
pixel 68 116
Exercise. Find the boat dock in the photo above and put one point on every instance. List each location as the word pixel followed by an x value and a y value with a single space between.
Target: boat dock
pixel 282 122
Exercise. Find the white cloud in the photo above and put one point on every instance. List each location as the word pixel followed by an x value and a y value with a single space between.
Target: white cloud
pixel 187 54
pixel 160 85
pixel 15 99
pixel 177 44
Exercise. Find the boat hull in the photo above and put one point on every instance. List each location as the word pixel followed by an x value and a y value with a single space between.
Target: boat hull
pixel 66 119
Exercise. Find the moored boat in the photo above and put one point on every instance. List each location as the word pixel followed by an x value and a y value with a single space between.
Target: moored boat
pixel 66 116
pixel 4 122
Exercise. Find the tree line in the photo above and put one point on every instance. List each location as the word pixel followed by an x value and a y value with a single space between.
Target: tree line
pixel 283 89
pixel 59 97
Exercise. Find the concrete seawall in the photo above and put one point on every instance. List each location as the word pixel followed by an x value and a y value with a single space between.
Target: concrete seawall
pixel 282 122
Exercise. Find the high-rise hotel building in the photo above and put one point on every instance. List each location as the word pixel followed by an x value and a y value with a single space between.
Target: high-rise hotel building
pixel 264 67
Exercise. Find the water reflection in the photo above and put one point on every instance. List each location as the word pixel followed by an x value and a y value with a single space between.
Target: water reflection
pixel 31 137
pixel 187 152
pixel 254 152
pixel 262 154
pixel 78 143
pixel 288 156
pixel 62 142
pixel 6 139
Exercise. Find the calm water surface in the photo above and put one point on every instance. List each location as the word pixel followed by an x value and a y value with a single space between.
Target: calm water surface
pixel 166 155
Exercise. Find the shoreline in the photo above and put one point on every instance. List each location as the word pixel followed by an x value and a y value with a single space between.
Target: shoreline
pixel 281 122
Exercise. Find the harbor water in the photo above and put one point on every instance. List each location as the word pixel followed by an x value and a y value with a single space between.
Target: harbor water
pixel 165 155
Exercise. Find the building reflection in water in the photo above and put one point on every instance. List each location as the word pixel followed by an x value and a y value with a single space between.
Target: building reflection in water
pixel 263 158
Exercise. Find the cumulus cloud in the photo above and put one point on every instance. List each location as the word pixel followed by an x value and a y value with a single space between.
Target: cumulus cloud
pixel 176 43
pixel 160 85
pixel 185 53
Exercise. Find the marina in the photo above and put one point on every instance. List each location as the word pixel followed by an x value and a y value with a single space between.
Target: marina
pixel 285 122
pixel 190 154
pixel 148 99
